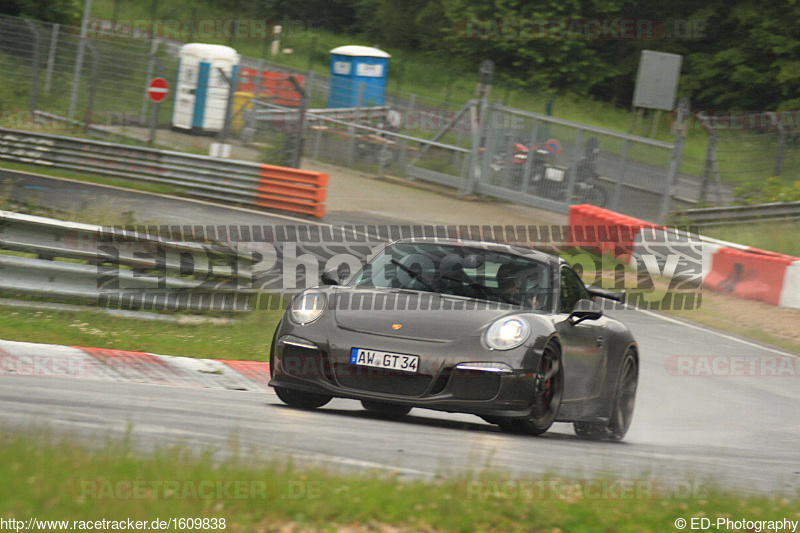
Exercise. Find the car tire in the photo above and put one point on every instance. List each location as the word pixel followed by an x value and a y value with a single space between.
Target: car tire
pixel 386 410
pixel 622 411
pixel 549 392
pixel 301 399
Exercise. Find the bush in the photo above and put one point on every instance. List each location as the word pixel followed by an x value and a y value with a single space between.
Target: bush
pixel 774 189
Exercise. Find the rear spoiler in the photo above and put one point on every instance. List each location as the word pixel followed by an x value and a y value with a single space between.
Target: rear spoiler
pixel 606 293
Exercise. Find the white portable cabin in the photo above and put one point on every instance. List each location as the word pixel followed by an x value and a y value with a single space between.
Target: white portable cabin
pixel 202 91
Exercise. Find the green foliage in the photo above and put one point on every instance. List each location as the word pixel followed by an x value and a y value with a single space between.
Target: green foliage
pixel 60 11
pixel 773 189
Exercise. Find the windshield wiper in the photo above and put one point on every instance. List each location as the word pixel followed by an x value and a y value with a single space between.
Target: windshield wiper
pixel 414 274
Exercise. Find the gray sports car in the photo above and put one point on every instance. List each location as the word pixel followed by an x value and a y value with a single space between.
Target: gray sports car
pixel 500 331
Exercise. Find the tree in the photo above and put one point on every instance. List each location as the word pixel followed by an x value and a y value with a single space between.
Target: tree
pixel 58 11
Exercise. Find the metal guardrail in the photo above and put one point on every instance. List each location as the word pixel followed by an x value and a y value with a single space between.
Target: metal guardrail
pixel 202 176
pixel 121 268
pixel 716 216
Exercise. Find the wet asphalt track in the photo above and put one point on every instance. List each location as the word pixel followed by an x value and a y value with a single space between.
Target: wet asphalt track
pixel 741 431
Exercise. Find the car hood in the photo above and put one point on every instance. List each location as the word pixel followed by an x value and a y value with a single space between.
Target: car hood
pixel 413 314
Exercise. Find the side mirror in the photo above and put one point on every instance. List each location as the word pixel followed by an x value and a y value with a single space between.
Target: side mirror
pixel 330 277
pixel 585 310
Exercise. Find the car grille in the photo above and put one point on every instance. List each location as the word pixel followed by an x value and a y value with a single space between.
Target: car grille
pixel 474 384
pixel 381 380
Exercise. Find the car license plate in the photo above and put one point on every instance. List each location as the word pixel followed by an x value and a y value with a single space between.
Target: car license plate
pixel 378 359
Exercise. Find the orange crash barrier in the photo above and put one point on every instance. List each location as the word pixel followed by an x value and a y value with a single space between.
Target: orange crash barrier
pixel 748 275
pixel 604 231
pixel 290 189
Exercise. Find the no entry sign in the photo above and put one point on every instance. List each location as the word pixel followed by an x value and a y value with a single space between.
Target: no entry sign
pixel 158 89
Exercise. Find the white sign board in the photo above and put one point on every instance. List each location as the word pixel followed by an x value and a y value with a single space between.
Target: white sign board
pixel 369 71
pixel 657 80
pixel 342 67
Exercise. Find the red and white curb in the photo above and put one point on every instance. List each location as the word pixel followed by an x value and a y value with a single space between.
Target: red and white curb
pixel 33 359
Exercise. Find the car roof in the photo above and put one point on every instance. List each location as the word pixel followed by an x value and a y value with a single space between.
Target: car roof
pixel 513 249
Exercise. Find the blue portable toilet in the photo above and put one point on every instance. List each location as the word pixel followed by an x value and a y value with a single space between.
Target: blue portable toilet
pixel 350 66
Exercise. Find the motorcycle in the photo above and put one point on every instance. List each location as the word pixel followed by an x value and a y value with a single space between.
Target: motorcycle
pixel 548 181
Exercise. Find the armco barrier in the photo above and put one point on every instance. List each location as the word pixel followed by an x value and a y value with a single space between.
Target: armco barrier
pixel 212 178
pixel 289 189
pixel 120 268
pixel 746 272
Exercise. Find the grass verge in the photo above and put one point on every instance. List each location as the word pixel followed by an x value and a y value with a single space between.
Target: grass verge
pixel 52 479
pixel 775 236
pixel 246 337
pixel 90 178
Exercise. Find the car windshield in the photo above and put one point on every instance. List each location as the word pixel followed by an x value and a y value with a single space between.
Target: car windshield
pixel 459 270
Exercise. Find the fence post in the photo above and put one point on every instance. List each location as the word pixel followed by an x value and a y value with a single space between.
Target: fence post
pixel 87 117
pixel 35 73
pixel 780 152
pixel 412 103
pixel 311 49
pixel 617 195
pixel 149 76
pixel 51 59
pixel 573 168
pixel 477 114
pixel 76 75
pixel 708 166
pixel 526 172
pixel 491 144
pixel 675 158
pixel 351 148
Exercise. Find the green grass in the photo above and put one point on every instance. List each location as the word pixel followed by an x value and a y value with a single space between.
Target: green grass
pixel 779 237
pixel 57 479
pixel 244 337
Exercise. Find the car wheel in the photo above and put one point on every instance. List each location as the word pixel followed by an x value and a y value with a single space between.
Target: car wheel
pixel 549 391
pixel 386 410
pixel 622 412
pixel 301 399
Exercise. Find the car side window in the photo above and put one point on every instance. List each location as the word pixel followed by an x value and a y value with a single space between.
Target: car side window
pixel 572 290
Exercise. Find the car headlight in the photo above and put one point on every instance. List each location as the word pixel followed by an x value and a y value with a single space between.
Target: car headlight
pixel 507 333
pixel 307 307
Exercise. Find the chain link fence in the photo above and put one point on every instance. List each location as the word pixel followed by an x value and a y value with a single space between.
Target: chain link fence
pixel 477 147
pixel 107 87
pixel 746 148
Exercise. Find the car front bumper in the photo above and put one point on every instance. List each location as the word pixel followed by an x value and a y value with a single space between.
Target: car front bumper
pixel 447 379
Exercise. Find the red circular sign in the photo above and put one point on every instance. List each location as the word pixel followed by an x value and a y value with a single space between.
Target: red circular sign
pixel 158 89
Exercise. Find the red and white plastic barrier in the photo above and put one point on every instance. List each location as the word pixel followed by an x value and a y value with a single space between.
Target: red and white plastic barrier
pixel 746 272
